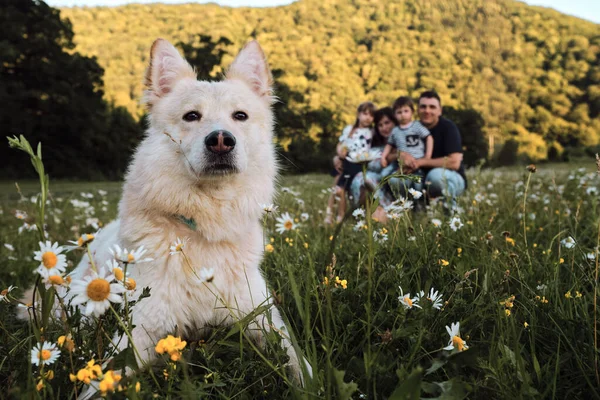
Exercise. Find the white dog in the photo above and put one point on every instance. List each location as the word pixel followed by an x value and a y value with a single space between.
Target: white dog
pixel 202 172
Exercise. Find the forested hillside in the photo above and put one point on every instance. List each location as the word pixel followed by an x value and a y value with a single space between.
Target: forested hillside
pixel 532 73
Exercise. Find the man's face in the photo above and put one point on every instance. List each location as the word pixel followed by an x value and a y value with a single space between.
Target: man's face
pixel 429 111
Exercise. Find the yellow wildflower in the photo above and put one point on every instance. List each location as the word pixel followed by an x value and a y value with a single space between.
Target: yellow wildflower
pixel 510 240
pixel 443 262
pixel 568 294
pixel 67 342
pixel 91 371
pixel 107 384
pixel 171 345
pixel 341 282
pixel 269 248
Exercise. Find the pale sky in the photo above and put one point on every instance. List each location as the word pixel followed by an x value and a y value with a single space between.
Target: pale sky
pixel 586 9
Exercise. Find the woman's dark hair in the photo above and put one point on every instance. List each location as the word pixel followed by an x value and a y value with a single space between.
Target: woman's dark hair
pixel 378 138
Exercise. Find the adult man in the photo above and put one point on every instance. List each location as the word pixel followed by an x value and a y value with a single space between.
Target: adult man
pixel 445 173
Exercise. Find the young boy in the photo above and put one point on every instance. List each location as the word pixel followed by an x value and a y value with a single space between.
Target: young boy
pixel 410 136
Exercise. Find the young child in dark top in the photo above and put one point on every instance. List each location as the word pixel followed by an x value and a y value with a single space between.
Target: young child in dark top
pixel 355 139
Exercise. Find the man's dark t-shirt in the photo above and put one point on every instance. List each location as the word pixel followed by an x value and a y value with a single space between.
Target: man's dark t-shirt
pixel 446 140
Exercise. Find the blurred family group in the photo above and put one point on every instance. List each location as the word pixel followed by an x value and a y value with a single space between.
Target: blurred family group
pixel 388 152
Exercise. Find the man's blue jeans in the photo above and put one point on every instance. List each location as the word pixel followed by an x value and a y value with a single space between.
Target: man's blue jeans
pixel 444 182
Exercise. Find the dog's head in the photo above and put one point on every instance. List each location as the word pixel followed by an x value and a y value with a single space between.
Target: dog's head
pixel 221 128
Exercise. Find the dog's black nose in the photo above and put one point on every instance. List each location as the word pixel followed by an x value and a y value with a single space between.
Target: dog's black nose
pixel 220 142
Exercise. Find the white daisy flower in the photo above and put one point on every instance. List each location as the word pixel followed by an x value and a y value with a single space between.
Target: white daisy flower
pixel 178 245
pixel 120 276
pixel 52 262
pixel 436 298
pixel 9 246
pixel 268 208
pixel 83 241
pixel 406 301
pixel 415 193
pixel 358 213
pixel 455 224
pixel 541 287
pixel 97 291
pixel 285 223
pixel 592 190
pixel 44 353
pixel 455 341
pixel 304 217
pixel 20 214
pixel 590 256
pixel 360 225
pixel 412 238
pixel 27 227
pixel 569 242
pixel 133 257
pixel 380 236
pixel 436 222
pixel 102 192
pixel 93 222
pixel 4 294
pixel 207 274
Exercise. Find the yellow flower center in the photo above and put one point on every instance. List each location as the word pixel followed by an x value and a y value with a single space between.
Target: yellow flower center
pixel 130 257
pixel 98 289
pixel 130 284
pixel 458 343
pixel 45 355
pixel 118 274
pixel 179 247
pixel 408 301
pixel 288 225
pixel 56 280
pixel 49 259
pixel 4 292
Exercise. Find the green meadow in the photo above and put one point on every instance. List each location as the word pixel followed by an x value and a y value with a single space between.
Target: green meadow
pixel 518 272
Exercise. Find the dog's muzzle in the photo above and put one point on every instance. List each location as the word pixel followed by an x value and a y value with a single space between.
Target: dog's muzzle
pixel 220 142
pixel 219 145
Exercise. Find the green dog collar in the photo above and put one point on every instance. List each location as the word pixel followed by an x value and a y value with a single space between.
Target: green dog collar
pixel 188 221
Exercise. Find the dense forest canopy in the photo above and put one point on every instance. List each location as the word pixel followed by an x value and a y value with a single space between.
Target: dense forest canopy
pixel 532 73
pixel 522 77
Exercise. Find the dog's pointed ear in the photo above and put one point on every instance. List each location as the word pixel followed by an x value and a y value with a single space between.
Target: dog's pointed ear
pixel 165 69
pixel 251 66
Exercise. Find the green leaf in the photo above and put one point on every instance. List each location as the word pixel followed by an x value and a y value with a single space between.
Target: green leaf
pixel 410 388
pixel 437 364
pixel 47 303
pixel 125 358
pixel 345 390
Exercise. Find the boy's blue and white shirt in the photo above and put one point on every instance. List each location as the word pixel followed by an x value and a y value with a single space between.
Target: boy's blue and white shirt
pixel 410 139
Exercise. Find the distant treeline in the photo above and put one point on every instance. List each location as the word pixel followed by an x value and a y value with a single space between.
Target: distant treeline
pixel 523 83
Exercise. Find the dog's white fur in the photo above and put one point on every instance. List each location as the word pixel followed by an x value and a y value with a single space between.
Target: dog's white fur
pixel 170 176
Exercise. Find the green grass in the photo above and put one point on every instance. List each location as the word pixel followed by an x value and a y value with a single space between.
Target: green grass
pixel 361 341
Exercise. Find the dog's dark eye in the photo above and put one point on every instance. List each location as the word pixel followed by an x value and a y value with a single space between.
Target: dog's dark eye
pixel 192 116
pixel 240 116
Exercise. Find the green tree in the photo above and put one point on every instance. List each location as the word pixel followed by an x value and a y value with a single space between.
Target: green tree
pixel 51 94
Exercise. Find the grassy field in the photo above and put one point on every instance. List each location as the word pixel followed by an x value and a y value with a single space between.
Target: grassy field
pixel 518 272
